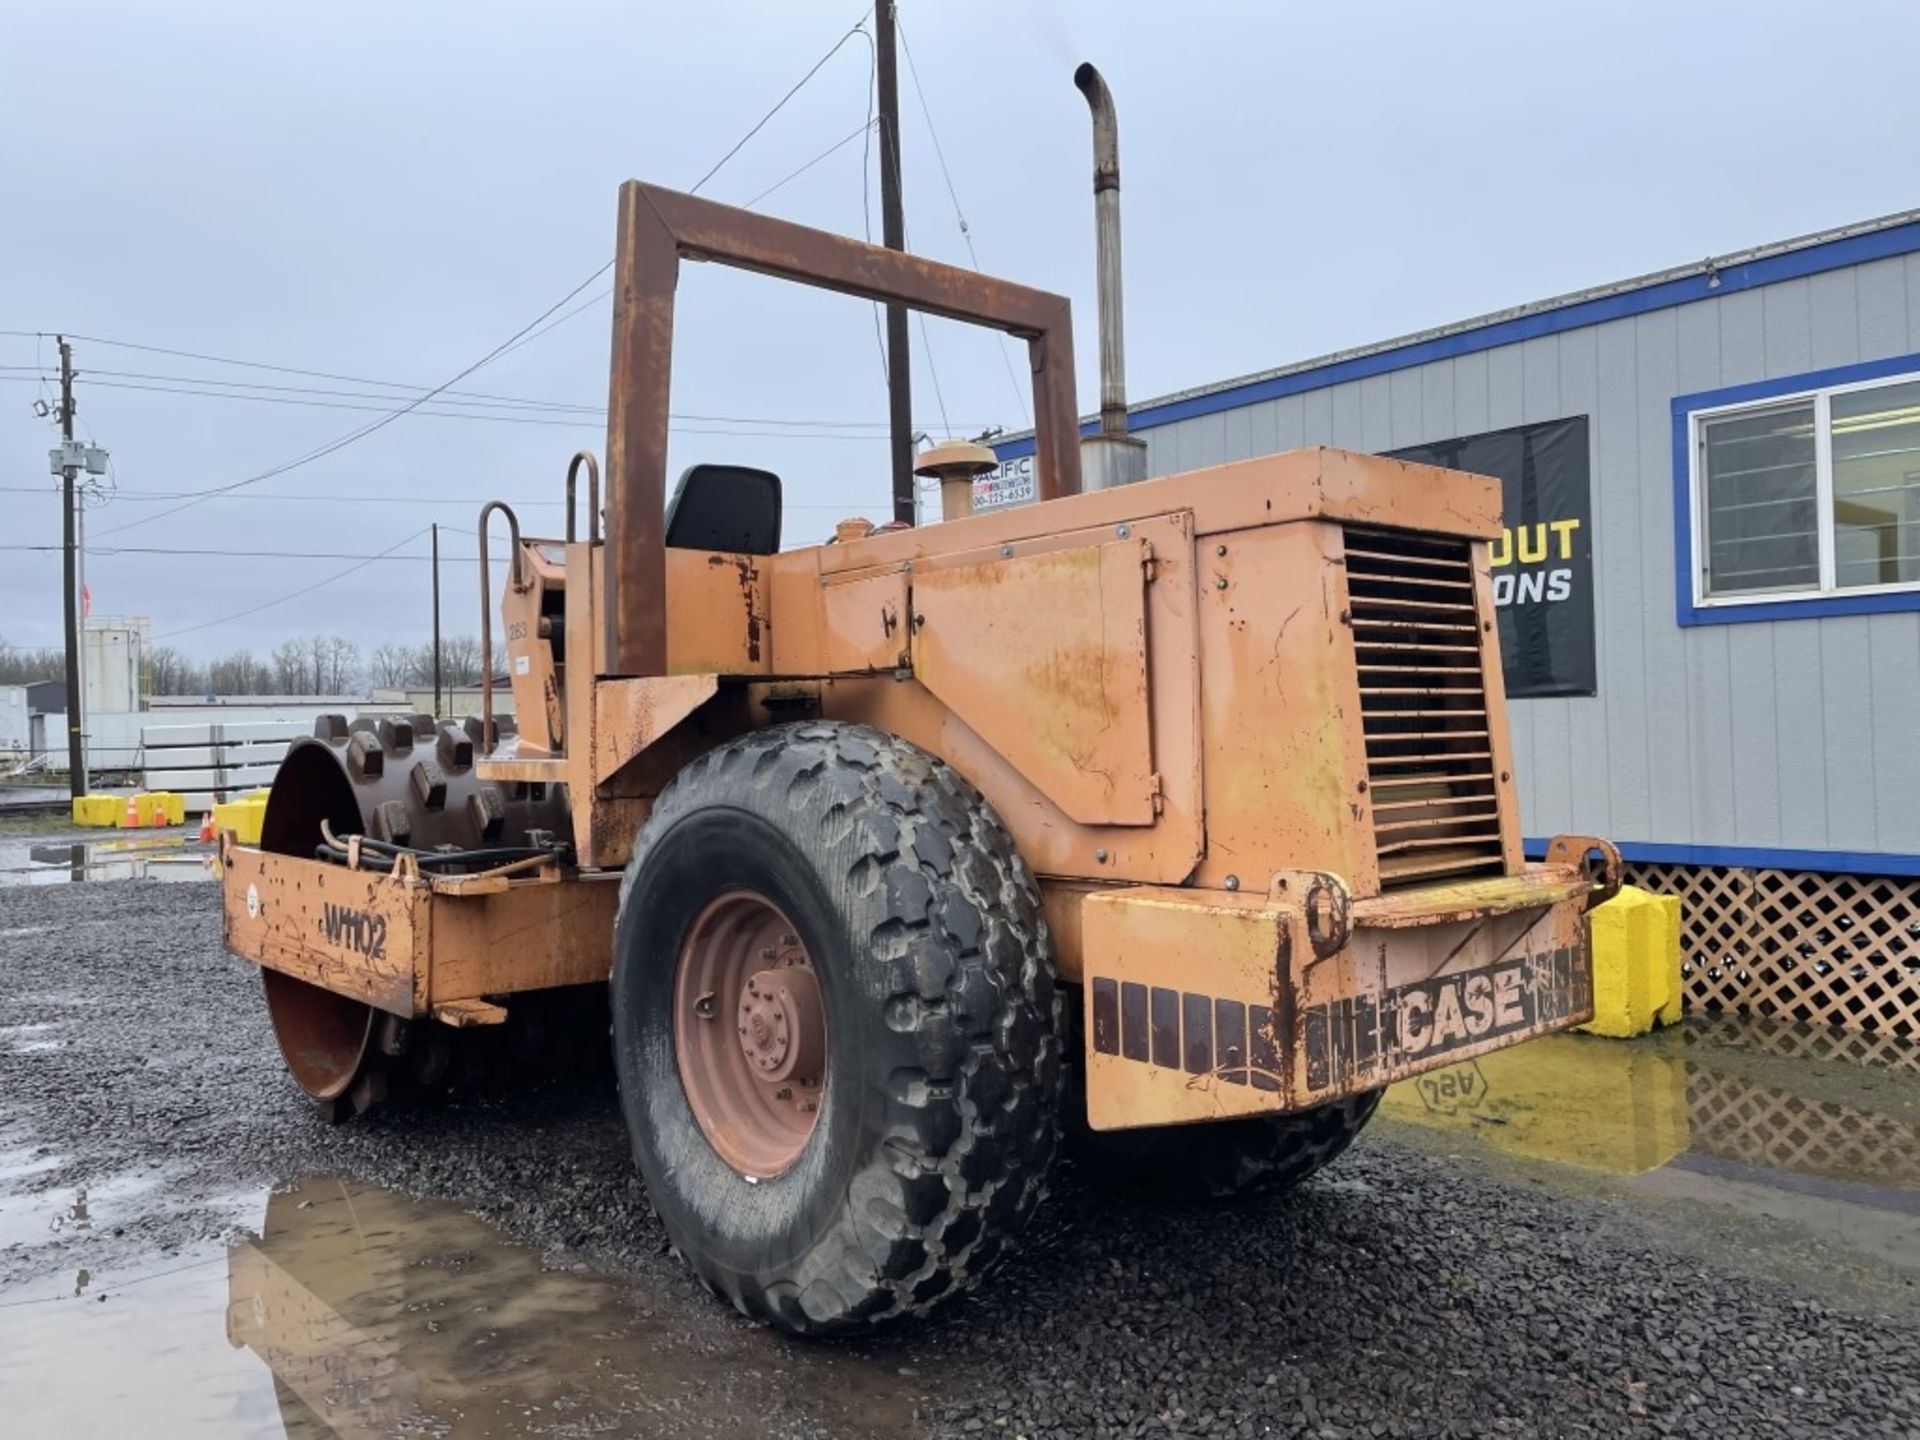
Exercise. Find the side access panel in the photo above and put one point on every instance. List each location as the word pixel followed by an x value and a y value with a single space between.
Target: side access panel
pixel 1026 687
pixel 1045 656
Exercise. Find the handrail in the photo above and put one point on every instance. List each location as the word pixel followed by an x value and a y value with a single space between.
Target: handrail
pixel 487 736
pixel 593 495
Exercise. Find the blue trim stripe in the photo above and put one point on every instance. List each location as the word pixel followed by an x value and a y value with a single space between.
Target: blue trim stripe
pixel 1847 862
pixel 1804 608
pixel 1769 270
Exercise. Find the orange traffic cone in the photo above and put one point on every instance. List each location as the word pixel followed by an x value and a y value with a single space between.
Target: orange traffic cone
pixel 131 820
pixel 160 819
pixel 206 828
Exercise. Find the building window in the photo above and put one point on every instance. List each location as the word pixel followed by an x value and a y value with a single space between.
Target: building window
pixel 1808 494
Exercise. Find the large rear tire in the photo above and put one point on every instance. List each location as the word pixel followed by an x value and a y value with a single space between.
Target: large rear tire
pixel 844 1147
pixel 1226 1159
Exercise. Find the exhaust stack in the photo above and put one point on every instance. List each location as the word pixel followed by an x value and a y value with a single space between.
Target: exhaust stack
pixel 1111 457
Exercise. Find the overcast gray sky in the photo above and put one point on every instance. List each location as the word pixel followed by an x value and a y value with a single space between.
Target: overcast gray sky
pixel 389 191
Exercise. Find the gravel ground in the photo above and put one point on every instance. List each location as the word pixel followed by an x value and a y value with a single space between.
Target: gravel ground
pixel 1403 1293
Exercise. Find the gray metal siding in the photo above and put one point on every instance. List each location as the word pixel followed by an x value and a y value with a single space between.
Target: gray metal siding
pixel 1794 734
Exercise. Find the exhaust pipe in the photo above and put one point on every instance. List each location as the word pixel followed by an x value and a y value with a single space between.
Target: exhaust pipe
pixel 1112 457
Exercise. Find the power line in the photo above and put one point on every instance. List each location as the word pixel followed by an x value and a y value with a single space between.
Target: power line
pixel 539 325
pixel 297 395
pixel 966 231
pixel 213 552
pixel 365 430
pixel 866 188
pixel 295 594
pixel 832 149
pixel 387 419
pixel 926 345
pixel 575 423
pixel 290 370
pixel 139 497
pixel 939 399
pixel 779 105
pixel 559 320
pixel 449 398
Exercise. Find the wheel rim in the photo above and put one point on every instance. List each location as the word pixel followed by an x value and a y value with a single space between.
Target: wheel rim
pixel 750 1033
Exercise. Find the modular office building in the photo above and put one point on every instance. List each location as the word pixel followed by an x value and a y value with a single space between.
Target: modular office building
pixel 1709 583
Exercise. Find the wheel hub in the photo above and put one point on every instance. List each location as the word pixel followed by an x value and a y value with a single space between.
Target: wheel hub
pixel 782 1027
pixel 750 1033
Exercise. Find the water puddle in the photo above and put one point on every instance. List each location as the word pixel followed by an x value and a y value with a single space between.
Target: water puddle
pixel 173 855
pixel 70 1211
pixel 1808 1127
pixel 359 1313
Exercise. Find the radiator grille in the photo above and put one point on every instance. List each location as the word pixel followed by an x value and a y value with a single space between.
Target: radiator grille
pixel 1423 704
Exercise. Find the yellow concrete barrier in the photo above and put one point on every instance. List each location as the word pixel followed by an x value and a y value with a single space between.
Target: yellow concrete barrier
pixel 242 816
pixel 1636 963
pixel 102 811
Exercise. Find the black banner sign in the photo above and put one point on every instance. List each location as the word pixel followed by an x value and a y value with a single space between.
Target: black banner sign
pixel 1354 1042
pixel 1364 1037
pixel 1543 564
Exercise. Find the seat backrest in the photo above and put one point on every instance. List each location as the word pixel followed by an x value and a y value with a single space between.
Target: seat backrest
pixel 725 507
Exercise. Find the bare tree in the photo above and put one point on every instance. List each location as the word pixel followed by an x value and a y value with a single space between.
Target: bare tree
pixel 422 663
pixel 241 673
pixel 391 665
pixel 171 672
pixel 319 648
pixel 459 659
pixel 290 667
pixel 23 667
pixel 342 670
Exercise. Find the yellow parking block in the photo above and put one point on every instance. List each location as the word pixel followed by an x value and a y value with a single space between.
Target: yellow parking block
pixel 242 816
pixel 103 811
pixel 1636 963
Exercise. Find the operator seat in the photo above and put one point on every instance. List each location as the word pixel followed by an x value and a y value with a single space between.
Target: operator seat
pixel 735 508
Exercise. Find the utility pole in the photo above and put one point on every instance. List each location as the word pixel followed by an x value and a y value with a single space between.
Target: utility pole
pixel 438 713
pixel 893 233
pixel 76 755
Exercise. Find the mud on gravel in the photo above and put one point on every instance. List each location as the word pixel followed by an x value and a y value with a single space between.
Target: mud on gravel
pixel 1402 1293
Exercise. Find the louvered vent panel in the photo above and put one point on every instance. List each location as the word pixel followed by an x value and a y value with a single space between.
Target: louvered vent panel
pixel 1436 811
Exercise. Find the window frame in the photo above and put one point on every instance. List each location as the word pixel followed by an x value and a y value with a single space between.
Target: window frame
pixel 1690 412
